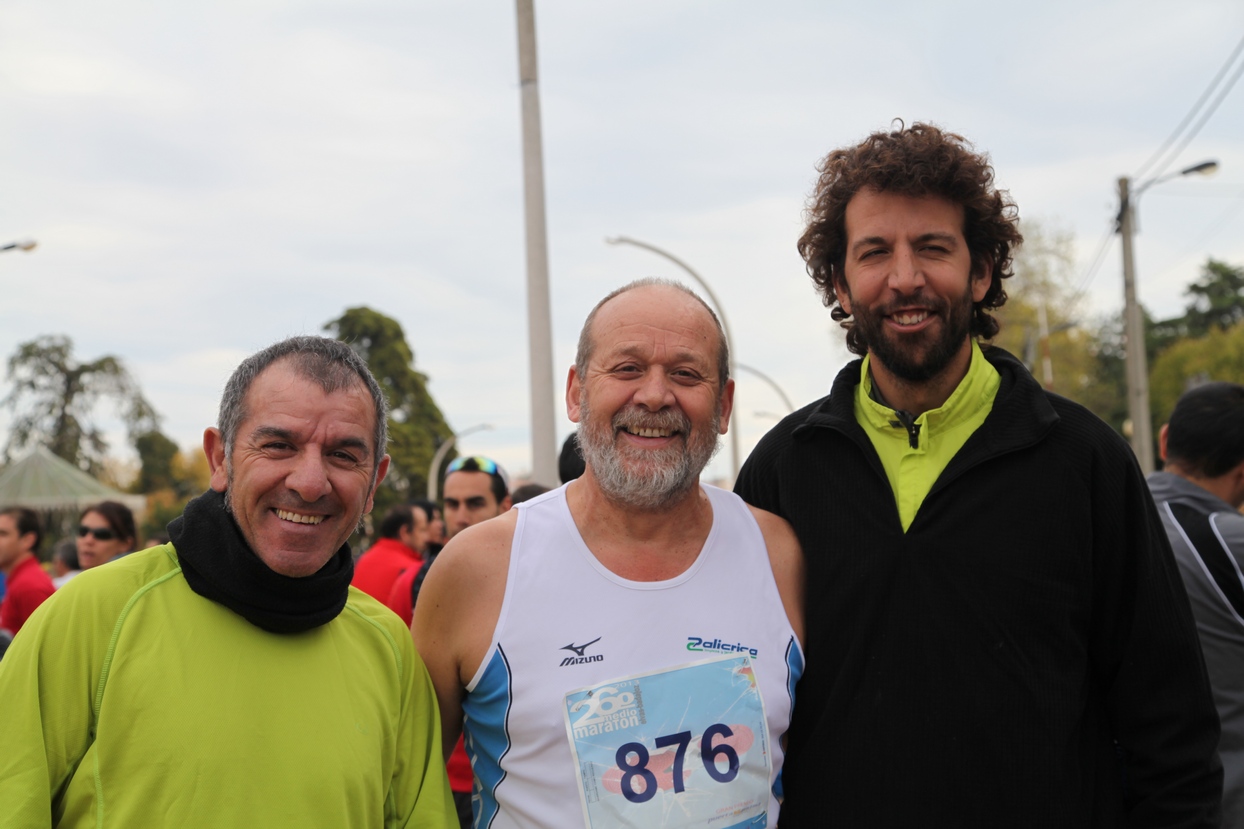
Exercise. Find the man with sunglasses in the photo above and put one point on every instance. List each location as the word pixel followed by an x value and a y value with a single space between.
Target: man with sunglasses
pixel 624 648
pixel 476 489
pixel 233 677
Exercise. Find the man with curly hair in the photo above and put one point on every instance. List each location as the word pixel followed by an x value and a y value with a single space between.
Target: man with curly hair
pixel 996 630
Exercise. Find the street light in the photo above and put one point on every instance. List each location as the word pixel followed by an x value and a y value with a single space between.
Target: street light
pixel 443 450
pixel 790 407
pixel 23 244
pixel 1133 324
pixel 721 315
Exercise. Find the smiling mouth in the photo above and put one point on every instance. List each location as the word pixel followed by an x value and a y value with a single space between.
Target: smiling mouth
pixel 910 317
pixel 298 518
pixel 645 432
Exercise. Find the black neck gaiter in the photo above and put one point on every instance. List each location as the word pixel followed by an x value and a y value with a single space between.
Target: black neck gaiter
pixel 219 565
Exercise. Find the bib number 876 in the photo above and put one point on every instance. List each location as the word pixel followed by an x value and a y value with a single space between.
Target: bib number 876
pixel 709 755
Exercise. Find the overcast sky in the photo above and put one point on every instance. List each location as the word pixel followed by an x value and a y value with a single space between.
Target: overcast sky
pixel 206 178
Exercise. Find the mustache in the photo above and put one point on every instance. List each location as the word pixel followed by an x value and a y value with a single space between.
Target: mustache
pixel 915 302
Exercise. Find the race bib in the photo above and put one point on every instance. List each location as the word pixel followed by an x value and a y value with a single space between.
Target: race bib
pixel 682 747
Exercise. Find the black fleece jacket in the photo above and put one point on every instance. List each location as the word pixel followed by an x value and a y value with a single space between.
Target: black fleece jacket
pixel 1023 656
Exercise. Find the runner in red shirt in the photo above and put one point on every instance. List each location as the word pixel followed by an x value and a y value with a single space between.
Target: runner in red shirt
pixel 28 586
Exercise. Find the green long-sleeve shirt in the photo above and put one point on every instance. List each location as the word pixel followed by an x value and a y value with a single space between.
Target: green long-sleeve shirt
pixel 131 701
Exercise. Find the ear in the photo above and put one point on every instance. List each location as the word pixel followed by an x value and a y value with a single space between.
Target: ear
pixel 214 448
pixel 982 278
pixel 573 392
pixel 841 291
pixel 381 471
pixel 1162 441
pixel 1236 477
pixel 727 406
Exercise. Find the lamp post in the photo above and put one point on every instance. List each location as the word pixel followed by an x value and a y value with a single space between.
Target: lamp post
pixel 790 407
pixel 539 313
pixel 1133 322
pixel 443 450
pixel 721 315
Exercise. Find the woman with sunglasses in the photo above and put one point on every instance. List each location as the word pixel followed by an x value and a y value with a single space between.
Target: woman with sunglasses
pixel 105 531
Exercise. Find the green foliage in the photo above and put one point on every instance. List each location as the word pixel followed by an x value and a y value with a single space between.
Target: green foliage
pixel 156 452
pixel 179 476
pixel 1219 355
pixel 1088 361
pixel 54 398
pixel 1106 393
pixel 1044 273
pixel 1194 346
pixel 416 425
pixel 1217 299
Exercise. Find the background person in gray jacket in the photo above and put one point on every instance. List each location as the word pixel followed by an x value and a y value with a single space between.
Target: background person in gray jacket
pixel 1198 496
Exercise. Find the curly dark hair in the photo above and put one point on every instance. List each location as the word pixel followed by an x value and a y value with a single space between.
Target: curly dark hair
pixel 920 160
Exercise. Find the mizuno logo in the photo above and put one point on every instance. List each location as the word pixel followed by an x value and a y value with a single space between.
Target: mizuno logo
pixel 579 658
pixel 578 649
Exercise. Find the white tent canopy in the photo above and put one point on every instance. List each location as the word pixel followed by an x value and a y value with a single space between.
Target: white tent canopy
pixel 43 481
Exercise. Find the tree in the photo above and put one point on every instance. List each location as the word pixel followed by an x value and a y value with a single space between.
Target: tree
pixel 1043 277
pixel 54 399
pixel 416 425
pixel 1219 355
pixel 171 480
pixel 1106 394
pixel 156 452
pixel 1217 299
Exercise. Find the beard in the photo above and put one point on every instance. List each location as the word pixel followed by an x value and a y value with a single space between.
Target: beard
pixel 646 479
pixel 916 361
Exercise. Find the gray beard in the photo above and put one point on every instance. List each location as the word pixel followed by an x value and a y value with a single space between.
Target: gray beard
pixel 657 478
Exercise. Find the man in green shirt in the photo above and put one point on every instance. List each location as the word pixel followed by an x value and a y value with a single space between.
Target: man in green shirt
pixel 233 678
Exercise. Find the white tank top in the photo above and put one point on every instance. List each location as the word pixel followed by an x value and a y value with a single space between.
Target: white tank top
pixel 604 702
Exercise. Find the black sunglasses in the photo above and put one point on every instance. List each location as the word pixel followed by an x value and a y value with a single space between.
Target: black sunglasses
pixel 100 533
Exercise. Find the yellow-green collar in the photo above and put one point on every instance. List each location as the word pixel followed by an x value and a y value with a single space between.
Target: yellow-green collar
pixel 939 433
pixel 977 389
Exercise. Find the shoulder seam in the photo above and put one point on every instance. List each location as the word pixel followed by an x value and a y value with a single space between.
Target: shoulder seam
pixel 106 667
pixel 388 637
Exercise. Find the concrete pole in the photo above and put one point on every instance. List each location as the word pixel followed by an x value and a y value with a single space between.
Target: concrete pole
pixel 1134 331
pixel 539 314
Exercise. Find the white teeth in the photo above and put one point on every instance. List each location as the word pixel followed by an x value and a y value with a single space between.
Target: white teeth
pixel 298 518
pixel 912 318
pixel 650 433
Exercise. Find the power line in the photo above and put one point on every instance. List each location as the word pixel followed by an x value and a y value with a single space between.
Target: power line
pixel 1092 269
pixel 1210 232
pixel 1171 152
pixel 1205 117
pixel 1161 151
